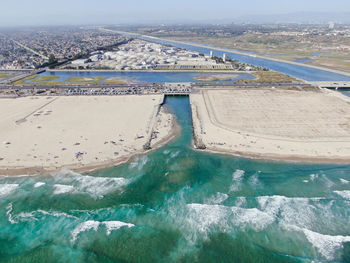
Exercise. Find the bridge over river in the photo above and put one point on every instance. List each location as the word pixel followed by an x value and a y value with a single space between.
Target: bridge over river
pixel 338 85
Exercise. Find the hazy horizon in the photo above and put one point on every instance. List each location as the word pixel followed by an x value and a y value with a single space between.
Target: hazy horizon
pixel 79 12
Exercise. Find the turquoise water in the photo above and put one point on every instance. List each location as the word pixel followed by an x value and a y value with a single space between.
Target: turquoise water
pixel 154 77
pixel 179 205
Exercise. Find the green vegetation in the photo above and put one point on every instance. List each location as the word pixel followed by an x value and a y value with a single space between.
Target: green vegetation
pixel 42 80
pixel 46 78
pixel 84 79
pixel 263 41
pixel 115 81
pixel 269 77
pixel 23 81
pixel 4 75
pixel 323 49
pixel 52 80
pixel 332 62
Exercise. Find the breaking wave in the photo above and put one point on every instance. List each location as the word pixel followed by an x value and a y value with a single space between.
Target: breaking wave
pixel 345 194
pixel 199 220
pixel 205 218
pixel 94 225
pixel 326 245
pixel 96 187
pixel 343 181
pixel 39 184
pixel 217 199
pixel 7 189
pixel 62 189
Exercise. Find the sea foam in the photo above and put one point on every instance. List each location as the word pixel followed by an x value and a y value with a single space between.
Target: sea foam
pixel 9 209
pixel 343 181
pixel 115 225
pixel 139 163
pixel 226 218
pixel 99 186
pixel 94 225
pixel 62 189
pixel 7 189
pixel 217 199
pixel 96 187
pixel 290 210
pixel 38 184
pixel 326 245
pixel 237 178
pixel 88 225
pixel 313 177
pixel 345 194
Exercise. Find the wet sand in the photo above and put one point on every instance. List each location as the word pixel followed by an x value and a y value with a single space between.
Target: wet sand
pixel 274 124
pixel 81 133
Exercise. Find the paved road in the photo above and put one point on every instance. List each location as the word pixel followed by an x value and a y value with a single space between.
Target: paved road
pixel 150 38
pixel 152 85
pixel 331 84
pixel 30 49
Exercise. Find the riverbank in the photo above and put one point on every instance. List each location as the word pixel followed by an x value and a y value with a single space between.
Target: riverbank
pixel 273 124
pixel 345 73
pixel 152 71
pixel 301 71
pixel 45 134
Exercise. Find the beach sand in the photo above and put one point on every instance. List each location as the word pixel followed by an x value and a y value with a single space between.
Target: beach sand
pixel 39 134
pixel 275 124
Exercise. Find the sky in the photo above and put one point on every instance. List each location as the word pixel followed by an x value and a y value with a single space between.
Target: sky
pixel 69 12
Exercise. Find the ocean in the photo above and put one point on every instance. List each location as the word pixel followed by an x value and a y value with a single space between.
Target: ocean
pixel 177 204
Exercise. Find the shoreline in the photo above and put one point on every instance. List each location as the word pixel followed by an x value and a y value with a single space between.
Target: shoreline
pixel 97 133
pixel 95 167
pixel 242 132
pixel 152 71
pixel 336 71
pixel 276 158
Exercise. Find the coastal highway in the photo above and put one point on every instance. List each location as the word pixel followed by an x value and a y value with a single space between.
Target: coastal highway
pixel 154 85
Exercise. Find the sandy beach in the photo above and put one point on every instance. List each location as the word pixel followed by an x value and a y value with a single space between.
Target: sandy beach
pixel 81 133
pixel 275 124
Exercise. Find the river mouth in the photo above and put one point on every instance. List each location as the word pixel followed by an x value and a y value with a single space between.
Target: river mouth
pixel 179 205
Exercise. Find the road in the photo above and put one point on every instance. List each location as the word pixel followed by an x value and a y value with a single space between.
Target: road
pixel 30 49
pixel 153 85
pixel 227 51
pixel 331 84
pixel 21 75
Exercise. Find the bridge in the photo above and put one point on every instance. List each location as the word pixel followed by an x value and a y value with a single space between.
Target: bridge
pixel 20 75
pixel 344 85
